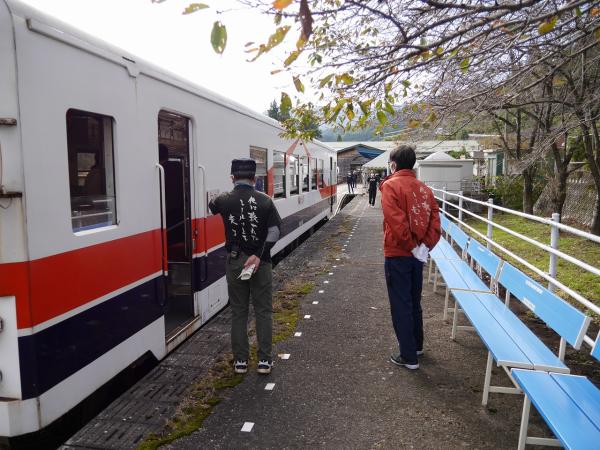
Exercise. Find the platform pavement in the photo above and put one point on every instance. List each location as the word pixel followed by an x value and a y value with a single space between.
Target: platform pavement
pixel 338 390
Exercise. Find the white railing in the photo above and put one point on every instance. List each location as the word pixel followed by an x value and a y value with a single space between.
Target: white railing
pixel 553 252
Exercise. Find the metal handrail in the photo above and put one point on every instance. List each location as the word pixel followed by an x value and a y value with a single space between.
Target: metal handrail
pixel 561 226
pixel 550 277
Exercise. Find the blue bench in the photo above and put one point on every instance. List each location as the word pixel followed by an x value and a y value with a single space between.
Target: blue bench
pixel 510 343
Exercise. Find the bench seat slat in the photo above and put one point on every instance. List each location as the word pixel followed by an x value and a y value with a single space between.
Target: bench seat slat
pixel 536 351
pixel 471 279
pixel 504 350
pixel 452 279
pixel 445 250
pixel 583 393
pixel 566 420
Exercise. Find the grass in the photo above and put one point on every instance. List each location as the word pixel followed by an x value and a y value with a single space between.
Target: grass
pixel 581 281
pixel 207 393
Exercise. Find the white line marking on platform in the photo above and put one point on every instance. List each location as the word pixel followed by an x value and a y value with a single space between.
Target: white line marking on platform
pixel 326 281
pixel 247 428
pixel 298 333
pixel 270 386
pixel 307 316
pixel 331 273
pixel 321 291
pixel 337 259
pixel 315 302
pixel 334 267
pixel 284 355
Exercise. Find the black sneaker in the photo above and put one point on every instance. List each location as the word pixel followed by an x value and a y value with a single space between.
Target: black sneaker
pixel 399 361
pixel 240 366
pixel 264 367
pixel 420 352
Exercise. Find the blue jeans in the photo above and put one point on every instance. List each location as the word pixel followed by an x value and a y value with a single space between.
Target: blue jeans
pixel 404 279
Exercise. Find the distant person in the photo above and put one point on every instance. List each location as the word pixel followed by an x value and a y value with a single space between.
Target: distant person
pixel 354 177
pixel 411 225
pixel 349 182
pixel 373 185
pixel 260 185
pixel 252 227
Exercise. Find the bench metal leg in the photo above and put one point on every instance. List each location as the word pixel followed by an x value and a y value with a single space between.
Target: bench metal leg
pixel 487 380
pixel 446 300
pixel 524 439
pixel 454 321
pixel 524 424
pixel 435 280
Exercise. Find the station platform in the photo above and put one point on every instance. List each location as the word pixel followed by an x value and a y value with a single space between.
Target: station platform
pixel 332 385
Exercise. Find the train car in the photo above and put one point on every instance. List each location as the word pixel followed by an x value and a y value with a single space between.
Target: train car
pixel 107 249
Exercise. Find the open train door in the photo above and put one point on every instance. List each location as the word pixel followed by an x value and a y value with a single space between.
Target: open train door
pixel 174 159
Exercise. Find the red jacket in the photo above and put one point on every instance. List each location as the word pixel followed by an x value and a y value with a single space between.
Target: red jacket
pixel 410 214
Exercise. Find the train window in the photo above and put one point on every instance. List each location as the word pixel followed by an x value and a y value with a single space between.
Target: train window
pixel 313 176
pixel 91 170
pixel 294 174
pixel 279 174
pixel 260 156
pixel 321 178
pixel 304 172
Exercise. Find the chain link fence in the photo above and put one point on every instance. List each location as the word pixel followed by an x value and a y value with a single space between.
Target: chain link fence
pixel 580 202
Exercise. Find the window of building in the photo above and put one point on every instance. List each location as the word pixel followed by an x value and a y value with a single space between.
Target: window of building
pixel 279 174
pixel 91 170
pixel 304 173
pixel 294 174
pixel 321 174
pixel 260 156
pixel 313 176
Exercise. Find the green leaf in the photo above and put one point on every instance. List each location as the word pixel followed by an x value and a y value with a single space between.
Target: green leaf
pixel 406 83
pixel 291 58
pixel 453 53
pixel 464 65
pixel 382 117
pixel 388 88
pixel 218 37
pixel 365 106
pixel 281 4
pixel 597 33
pixel 277 19
pixel 286 102
pixel 350 111
pixel 439 51
pixel 325 80
pixel 415 108
pixel 389 108
pixel 548 26
pixel 578 12
pixel 346 79
pixel 413 123
pixel 298 84
pixel 432 117
pixel 193 7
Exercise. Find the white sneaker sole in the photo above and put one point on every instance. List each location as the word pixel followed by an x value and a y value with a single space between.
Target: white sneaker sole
pixel 240 370
pixel 264 371
pixel 408 366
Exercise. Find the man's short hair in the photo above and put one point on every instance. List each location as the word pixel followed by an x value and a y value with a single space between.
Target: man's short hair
pixel 243 168
pixel 404 156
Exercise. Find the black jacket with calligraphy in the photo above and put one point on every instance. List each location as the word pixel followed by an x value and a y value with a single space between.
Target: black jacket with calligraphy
pixel 247 214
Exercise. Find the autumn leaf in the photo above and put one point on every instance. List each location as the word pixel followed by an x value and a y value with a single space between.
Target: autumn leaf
pixel 365 106
pixel 281 4
pixel 548 26
pixel 594 12
pixel 274 72
pixel 193 7
pixel 218 37
pixel 464 65
pixel 325 80
pixel 298 84
pixel 382 117
pixel 413 123
pixel 291 58
pixel 350 112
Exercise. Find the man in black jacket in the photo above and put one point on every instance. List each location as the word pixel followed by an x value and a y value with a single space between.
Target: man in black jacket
pixel 252 227
pixel 373 184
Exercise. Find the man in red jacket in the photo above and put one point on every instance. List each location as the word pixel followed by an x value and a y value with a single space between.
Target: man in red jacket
pixel 411 227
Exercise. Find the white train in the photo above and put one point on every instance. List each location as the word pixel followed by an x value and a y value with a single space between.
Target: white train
pixel 107 250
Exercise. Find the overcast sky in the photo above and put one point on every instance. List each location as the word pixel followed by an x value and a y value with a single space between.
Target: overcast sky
pixel 180 43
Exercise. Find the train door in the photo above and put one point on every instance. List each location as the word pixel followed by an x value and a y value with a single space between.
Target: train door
pixel 174 157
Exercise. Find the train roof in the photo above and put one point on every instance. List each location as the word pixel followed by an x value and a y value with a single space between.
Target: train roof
pixel 55 28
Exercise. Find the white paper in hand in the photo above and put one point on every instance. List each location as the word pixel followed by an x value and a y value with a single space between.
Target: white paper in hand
pixel 247 272
pixel 421 253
